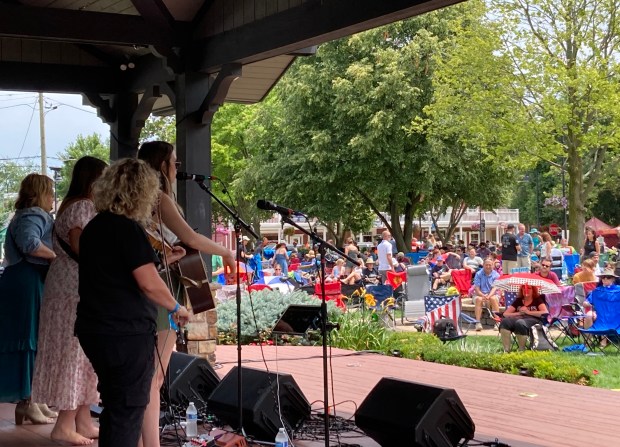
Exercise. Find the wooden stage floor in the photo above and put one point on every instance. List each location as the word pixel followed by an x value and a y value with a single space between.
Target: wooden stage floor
pixel 519 411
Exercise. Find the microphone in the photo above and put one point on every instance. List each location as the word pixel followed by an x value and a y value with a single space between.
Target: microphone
pixel 196 177
pixel 270 206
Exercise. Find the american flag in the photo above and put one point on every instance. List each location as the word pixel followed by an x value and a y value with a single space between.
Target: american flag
pixel 438 306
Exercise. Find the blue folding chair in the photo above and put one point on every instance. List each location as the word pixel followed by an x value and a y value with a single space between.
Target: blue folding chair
pixel 384 303
pixel 606 303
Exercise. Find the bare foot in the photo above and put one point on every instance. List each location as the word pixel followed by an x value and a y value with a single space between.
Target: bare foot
pixel 69 438
pixel 89 431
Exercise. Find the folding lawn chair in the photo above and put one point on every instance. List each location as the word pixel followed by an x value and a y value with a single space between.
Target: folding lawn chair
pixel 606 303
pixel 448 306
pixel 563 315
pixel 519 270
pixel 384 303
pixel 462 280
pixel 332 293
pixel 398 281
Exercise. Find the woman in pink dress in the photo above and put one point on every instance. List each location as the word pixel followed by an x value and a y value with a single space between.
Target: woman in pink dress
pixel 63 376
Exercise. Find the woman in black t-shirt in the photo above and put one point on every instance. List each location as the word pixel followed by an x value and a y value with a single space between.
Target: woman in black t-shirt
pixel 119 289
pixel 519 317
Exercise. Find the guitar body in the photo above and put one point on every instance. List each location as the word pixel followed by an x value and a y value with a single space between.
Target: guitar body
pixel 194 279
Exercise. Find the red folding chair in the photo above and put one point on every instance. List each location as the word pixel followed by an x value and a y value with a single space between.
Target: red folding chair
pixel 462 280
pixel 333 292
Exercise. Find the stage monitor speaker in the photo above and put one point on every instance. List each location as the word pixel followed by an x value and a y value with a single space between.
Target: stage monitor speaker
pixel 397 412
pixel 190 378
pixel 259 403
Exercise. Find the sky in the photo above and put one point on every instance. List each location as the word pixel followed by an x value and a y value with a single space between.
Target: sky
pixel 19 125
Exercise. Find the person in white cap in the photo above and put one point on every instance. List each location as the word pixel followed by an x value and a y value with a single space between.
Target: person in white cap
pixel 244 248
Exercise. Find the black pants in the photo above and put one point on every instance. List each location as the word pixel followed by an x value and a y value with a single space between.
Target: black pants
pixel 124 366
pixel 520 326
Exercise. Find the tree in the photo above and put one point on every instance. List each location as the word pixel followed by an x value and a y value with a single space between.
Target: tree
pixel 162 128
pixel 343 146
pixel 90 145
pixel 11 175
pixel 564 82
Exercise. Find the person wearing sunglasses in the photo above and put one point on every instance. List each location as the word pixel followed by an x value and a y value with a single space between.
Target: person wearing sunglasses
pixel 545 271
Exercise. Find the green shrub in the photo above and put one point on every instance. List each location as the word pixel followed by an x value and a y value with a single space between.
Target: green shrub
pixel 268 305
pixel 543 365
pixel 360 331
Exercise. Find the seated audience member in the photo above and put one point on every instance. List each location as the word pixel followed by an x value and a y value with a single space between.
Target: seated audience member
pixel 472 261
pixel 567 249
pixel 398 265
pixel 545 271
pixel 355 276
pixel 521 315
pixel 452 259
pixel 438 273
pixel 607 281
pixel 339 270
pixel 597 267
pixel 294 259
pixel 401 258
pixel 370 274
pixel 483 251
pixel 484 292
pixel 587 272
pixel 497 264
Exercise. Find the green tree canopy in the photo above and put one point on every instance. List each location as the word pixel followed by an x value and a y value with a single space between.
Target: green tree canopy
pixel 563 83
pixel 83 145
pixel 348 137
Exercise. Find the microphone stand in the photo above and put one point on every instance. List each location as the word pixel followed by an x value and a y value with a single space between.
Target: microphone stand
pixel 325 325
pixel 238 223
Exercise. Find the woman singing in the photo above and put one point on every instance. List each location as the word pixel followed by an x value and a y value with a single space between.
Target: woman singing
pixel 28 249
pixel 120 290
pixel 161 157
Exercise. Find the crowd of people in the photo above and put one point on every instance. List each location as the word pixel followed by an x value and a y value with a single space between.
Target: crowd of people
pixel 88 305
pixel 89 308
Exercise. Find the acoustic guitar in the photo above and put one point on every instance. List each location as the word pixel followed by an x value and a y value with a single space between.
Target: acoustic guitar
pixel 190 268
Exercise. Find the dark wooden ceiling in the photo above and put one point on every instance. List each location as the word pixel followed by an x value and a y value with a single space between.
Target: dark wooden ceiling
pixel 107 46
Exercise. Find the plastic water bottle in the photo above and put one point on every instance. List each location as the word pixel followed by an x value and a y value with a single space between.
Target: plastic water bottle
pixel 191 420
pixel 281 438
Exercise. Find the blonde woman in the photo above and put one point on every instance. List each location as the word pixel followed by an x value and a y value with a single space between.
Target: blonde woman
pixel 161 157
pixel 120 290
pixel 545 246
pixel 28 249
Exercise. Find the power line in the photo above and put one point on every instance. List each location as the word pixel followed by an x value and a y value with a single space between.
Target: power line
pixel 27 130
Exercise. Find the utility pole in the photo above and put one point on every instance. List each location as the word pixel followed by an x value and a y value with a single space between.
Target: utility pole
pixel 42 133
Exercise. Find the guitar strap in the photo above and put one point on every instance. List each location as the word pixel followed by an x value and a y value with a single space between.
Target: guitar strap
pixel 67 248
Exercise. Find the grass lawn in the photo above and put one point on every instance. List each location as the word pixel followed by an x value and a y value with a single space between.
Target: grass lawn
pixel 605 368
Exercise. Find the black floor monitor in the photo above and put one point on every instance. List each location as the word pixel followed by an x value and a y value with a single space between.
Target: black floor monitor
pixel 297 319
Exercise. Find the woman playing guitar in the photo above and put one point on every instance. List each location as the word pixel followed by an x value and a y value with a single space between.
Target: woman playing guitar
pixel 161 157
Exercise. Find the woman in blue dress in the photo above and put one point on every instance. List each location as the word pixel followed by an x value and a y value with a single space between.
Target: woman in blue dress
pixel 28 249
pixel 281 258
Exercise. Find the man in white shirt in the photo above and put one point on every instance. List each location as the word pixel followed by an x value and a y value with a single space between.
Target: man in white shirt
pixel 384 253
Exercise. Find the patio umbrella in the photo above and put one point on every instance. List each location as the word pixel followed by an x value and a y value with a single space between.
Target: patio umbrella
pixel 513 283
